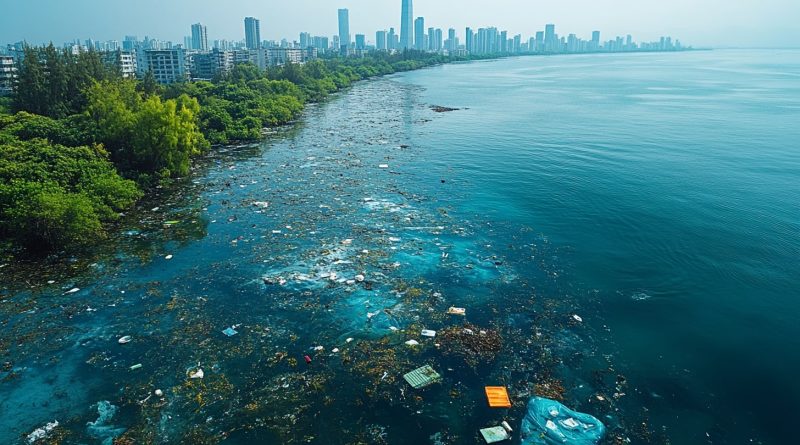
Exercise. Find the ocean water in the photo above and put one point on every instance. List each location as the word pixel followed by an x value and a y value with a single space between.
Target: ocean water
pixel 655 196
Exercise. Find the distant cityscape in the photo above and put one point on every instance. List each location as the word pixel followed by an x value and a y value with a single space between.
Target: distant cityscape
pixel 197 58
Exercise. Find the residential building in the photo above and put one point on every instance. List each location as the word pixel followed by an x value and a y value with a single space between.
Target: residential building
pixel 124 61
pixel 167 65
pixel 8 74
pixel 209 65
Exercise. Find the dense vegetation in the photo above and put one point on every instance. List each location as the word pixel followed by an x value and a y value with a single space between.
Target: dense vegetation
pixel 84 142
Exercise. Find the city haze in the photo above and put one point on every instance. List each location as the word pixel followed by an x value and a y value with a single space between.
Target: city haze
pixel 713 23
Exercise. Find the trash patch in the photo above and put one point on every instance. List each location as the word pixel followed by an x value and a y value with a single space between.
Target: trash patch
pixel 549 422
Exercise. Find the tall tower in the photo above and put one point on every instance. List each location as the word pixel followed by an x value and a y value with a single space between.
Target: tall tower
pixel 407 25
pixel 344 30
pixel 199 37
pixel 252 33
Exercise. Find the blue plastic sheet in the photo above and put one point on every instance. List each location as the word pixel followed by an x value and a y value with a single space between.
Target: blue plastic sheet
pixel 549 423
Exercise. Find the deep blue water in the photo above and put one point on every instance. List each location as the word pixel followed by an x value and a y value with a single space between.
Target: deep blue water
pixel 657 196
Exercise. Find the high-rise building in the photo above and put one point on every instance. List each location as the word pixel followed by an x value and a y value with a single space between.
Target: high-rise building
pixel 437 46
pixel 451 39
pixel 419 34
pixel 391 40
pixel 431 39
pixel 550 42
pixel 406 24
pixel 252 33
pixel 361 42
pixel 470 40
pixel 344 30
pixel 380 40
pixel 305 40
pixel 199 37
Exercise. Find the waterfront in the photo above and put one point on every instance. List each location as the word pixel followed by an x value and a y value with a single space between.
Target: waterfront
pixel 655 195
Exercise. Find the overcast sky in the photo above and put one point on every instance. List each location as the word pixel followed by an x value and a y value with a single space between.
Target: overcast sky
pixel 718 23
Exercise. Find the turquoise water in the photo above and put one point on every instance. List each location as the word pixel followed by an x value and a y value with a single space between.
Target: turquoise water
pixel 656 196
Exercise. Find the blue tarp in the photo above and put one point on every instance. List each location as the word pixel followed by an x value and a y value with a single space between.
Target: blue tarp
pixel 550 423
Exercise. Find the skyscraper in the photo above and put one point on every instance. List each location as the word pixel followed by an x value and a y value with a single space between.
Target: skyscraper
pixel 252 33
pixel 391 39
pixel 470 40
pixel 361 42
pixel 406 25
pixel 305 40
pixel 550 42
pixel 419 34
pixel 451 38
pixel 344 30
pixel 199 37
pixel 595 40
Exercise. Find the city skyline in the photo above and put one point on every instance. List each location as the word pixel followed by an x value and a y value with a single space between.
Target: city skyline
pixel 367 17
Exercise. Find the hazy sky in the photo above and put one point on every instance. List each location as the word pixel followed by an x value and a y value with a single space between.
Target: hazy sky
pixel 696 22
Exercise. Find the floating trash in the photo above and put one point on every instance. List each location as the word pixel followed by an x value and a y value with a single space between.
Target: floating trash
pixel 412 343
pixel 428 333
pixel 457 311
pixel 230 332
pixel 495 434
pixel 125 340
pixel 549 423
pixel 198 374
pixel 422 377
pixel 577 318
pixel 497 397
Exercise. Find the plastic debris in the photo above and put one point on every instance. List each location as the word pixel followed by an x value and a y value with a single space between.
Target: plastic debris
pixel 72 291
pixel 506 426
pixel 125 340
pixel 549 422
pixel 168 257
pixel 412 343
pixel 307 359
pixel 43 432
pixel 349 340
pixel 495 434
pixel 135 367
pixel 383 166
pixel 497 397
pixel 577 318
pixel 158 393
pixel 457 311
pixel 261 204
pixel 428 333
pixel 422 377
pixel 199 374
pixel 335 350
pixel 230 332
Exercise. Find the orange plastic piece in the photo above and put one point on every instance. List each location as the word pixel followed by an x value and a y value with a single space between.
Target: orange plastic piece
pixel 498 397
